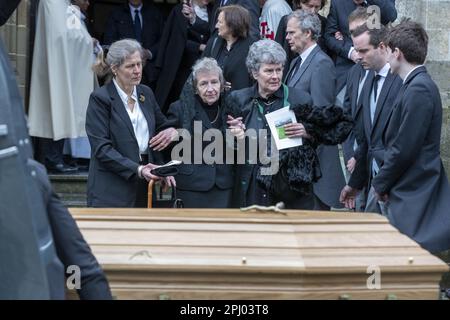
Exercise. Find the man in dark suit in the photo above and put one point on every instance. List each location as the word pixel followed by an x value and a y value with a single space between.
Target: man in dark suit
pixel 411 180
pixel 341 43
pixel 314 72
pixel 356 78
pixel 378 97
pixel 142 22
pixel 71 247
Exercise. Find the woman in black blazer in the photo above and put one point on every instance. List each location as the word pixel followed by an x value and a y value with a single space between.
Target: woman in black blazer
pixel 121 122
pixel 230 47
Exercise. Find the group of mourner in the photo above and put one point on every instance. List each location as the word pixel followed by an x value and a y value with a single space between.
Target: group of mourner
pixel 384 109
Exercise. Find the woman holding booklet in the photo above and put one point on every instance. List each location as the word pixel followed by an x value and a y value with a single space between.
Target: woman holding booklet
pixel 271 111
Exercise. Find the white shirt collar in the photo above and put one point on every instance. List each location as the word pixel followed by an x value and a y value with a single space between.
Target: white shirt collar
pixel 307 52
pixel 420 65
pixel 133 8
pixel 384 71
pixel 123 96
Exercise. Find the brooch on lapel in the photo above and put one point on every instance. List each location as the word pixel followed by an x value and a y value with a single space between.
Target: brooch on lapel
pixel 141 98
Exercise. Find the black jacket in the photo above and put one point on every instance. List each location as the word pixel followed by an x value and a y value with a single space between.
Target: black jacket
pixel 234 68
pixel 120 26
pixel 179 49
pixel 412 173
pixel 199 177
pixel 70 245
pixel 370 144
pixel 113 180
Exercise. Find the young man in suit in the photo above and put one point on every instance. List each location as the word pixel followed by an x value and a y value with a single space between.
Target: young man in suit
pixel 314 72
pixel 337 35
pixel 352 104
pixel 378 96
pixel 411 180
pixel 142 22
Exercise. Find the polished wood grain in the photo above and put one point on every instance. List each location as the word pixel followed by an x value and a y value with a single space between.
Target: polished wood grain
pixel 229 254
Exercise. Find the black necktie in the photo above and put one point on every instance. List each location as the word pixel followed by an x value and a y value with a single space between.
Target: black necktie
pixel 137 26
pixel 294 69
pixel 375 87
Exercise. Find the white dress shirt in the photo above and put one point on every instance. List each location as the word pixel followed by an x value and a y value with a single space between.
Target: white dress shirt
pixel 420 65
pixel 306 53
pixel 137 119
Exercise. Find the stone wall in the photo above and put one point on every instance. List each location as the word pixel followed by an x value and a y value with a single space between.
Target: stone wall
pixel 15 37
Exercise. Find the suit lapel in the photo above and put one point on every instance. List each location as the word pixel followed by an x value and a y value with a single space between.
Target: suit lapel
pixel 120 108
pixel 146 107
pixel 356 107
pixel 304 67
pixel 382 98
pixel 291 66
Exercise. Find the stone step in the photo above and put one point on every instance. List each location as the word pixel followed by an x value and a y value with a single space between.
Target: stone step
pixel 71 188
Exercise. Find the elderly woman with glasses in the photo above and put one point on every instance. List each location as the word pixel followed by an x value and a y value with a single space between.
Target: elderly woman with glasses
pixel 205 179
pixel 298 166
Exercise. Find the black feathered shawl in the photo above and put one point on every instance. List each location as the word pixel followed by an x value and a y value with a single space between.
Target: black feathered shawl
pixel 299 167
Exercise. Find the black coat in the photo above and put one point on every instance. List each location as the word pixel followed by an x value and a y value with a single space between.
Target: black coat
pixel 412 173
pixel 179 49
pixel 120 26
pixel 326 125
pixel 70 245
pixel 113 179
pixel 234 69
pixel 199 177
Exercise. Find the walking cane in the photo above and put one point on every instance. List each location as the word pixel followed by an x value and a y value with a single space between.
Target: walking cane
pixel 150 193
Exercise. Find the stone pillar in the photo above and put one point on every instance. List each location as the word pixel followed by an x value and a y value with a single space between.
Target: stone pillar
pixel 15 36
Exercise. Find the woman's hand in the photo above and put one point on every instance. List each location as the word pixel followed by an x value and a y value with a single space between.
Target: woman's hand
pixel 295 130
pixel 236 126
pixel 168 182
pixel 163 139
pixel 146 172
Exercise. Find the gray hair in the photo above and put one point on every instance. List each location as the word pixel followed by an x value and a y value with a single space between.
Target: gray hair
pixel 307 21
pixel 209 65
pixel 264 51
pixel 120 50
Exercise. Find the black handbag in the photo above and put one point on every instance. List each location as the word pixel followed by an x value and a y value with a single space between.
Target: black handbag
pixel 159 201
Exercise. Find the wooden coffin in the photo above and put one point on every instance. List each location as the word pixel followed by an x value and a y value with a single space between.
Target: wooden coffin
pixel 229 254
